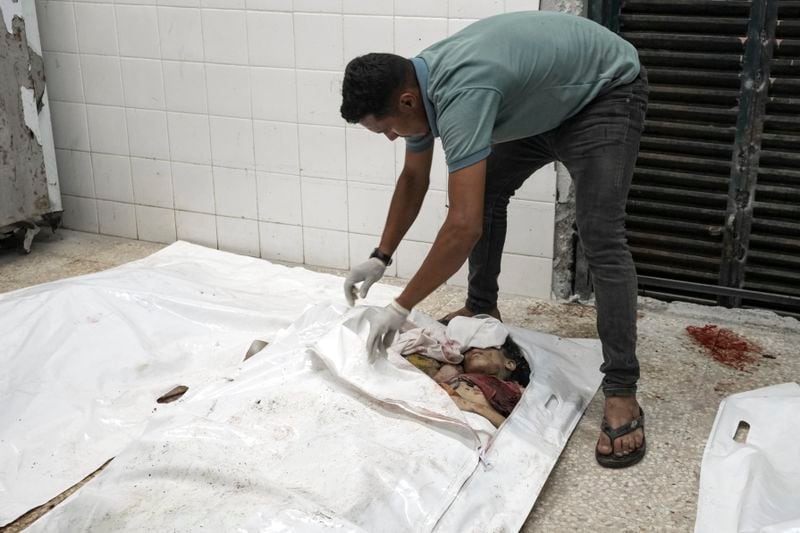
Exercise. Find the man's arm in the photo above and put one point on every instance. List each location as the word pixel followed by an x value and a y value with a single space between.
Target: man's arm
pixel 461 230
pixel 412 184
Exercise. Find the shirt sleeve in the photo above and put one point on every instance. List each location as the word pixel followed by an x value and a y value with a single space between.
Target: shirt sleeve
pixel 419 143
pixel 466 122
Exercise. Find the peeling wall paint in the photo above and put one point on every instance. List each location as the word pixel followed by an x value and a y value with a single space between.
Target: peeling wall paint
pixel 565 233
pixel 28 175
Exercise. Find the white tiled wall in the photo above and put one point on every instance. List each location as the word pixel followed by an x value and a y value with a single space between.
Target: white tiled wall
pixel 217 122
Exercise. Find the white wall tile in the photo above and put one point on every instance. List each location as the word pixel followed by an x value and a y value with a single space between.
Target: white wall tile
pixel 185 87
pixel 274 94
pixel 147 131
pixel 198 228
pixel 409 257
pixel 522 5
pixel 324 203
pixel 107 131
pixel 224 4
pixel 142 83
pixel 57 26
pixel 370 157
pixel 193 187
pixel 155 224
pixel 75 173
pixel 276 147
pixel 326 248
pixel 456 25
pixel 475 8
pixel 412 35
pixel 529 276
pixel 70 129
pixel 189 138
pixel 364 34
pixel 179 3
pixel 530 228
pixel 318 41
pixel 137 2
pixel 235 192
pixel 102 80
pixel 63 77
pixel 96 29
pixel 541 186
pixel 318 6
pixel 225 36
pixel 430 218
pixel 319 97
pixel 279 198
pixel 228 90
pixel 270 39
pixel 181 33
pixel 322 151
pixel 232 142
pixel 420 8
pixel 137 31
pixel 152 182
pixel 360 248
pixel 461 277
pixel 367 207
pixel 117 219
pixel 79 213
pixel 112 177
pixel 270 5
pixel 368 7
pixel 281 242
pixel 439 174
pixel 238 235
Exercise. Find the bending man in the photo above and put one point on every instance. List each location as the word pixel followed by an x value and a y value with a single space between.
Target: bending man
pixel 507 95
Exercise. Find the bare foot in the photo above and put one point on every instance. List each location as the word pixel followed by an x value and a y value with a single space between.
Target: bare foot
pixel 464 311
pixel 620 410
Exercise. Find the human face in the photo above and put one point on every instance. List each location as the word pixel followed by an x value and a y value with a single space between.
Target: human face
pixel 489 361
pixel 409 120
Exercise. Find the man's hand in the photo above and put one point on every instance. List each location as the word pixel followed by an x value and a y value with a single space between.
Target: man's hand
pixel 367 272
pixel 382 327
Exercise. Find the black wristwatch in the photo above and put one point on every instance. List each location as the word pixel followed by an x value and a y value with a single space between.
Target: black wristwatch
pixel 386 259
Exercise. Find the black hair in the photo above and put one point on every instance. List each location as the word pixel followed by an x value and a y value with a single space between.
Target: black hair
pixel 521 374
pixel 369 83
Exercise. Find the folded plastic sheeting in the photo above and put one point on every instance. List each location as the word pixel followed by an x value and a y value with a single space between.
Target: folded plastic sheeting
pixel 750 475
pixel 304 436
pixel 83 360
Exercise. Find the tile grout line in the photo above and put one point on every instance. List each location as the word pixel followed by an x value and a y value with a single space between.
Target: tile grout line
pixel 86 116
pixel 166 118
pixel 252 129
pixel 297 138
pixel 208 122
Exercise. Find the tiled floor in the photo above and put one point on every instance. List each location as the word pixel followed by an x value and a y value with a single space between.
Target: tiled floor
pixel 680 388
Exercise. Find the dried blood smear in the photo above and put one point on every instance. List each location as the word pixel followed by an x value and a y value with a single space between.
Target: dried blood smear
pixel 725 346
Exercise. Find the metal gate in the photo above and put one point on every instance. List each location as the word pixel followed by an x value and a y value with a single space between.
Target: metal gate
pixel 714 209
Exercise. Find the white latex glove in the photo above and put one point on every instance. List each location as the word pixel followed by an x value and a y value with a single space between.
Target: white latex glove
pixel 367 272
pixel 382 328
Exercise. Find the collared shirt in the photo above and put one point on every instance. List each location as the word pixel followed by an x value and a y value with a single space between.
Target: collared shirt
pixel 514 76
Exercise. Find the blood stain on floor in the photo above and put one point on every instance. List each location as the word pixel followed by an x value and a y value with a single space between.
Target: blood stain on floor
pixel 725 346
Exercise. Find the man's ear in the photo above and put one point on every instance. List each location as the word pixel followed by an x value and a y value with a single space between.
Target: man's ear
pixel 408 101
pixel 510 365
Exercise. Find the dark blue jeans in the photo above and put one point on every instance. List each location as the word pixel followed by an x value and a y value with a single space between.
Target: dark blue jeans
pixel 599 146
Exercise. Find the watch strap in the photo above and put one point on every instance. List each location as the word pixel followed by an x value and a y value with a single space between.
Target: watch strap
pixel 385 259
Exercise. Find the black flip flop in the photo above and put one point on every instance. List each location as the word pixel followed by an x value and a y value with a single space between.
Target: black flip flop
pixel 621 461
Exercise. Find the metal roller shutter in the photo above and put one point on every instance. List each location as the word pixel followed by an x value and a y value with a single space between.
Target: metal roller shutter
pixel 714 209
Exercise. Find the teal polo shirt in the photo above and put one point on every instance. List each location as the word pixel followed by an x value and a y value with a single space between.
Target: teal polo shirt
pixel 513 76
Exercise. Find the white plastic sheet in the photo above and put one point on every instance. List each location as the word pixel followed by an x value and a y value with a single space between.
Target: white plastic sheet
pixel 83 359
pixel 753 485
pixel 305 436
